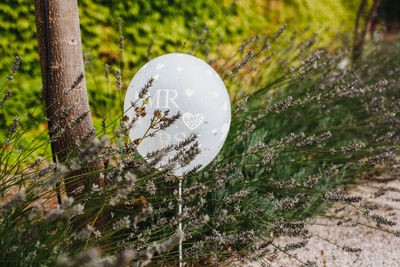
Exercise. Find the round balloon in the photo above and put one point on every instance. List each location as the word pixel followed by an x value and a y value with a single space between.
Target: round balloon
pixel 186 84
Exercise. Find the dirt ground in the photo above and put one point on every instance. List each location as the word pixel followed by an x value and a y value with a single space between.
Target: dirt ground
pixel 378 248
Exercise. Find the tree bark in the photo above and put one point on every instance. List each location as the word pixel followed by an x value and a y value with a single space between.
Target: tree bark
pixel 359 38
pixel 61 61
pixel 367 24
pixel 356 38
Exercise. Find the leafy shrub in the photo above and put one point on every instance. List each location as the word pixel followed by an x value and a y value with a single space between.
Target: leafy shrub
pixel 228 22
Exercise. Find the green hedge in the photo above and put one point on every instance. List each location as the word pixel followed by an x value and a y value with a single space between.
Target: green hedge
pixel 169 22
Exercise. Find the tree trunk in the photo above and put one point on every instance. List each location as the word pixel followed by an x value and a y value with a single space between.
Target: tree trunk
pixel 61 60
pixel 356 37
pixel 367 24
pixel 359 37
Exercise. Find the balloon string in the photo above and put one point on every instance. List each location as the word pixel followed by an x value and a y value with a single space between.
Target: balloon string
pixel 180 222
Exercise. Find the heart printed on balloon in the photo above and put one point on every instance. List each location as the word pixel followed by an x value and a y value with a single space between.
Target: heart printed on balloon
pixel 192 121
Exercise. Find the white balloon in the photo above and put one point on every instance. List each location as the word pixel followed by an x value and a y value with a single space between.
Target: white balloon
pixel 189 85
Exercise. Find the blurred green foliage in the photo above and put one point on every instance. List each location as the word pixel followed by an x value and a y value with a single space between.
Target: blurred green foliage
pixel 168 22
pixel 175 26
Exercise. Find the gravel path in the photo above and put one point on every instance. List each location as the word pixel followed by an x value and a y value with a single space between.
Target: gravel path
pixel 379 248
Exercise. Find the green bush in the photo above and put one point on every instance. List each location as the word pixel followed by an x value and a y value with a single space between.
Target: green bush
pixel 168 22
pixel 175 26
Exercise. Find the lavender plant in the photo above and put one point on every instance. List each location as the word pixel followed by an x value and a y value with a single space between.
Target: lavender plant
pixel 304 125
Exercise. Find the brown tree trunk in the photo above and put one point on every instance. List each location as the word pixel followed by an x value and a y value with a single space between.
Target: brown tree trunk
pixel 359 37
pixel 356 38
pixel 367 24
pixel 60 50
